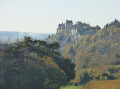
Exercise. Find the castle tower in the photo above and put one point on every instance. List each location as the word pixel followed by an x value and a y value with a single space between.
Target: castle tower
pixel 61 27
pixel 69 25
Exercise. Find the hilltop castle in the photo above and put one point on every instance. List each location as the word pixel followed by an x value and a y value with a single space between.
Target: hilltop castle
pixel 68 26
pixel 77 28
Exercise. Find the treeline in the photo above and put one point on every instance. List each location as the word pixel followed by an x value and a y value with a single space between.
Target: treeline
pixel 34 64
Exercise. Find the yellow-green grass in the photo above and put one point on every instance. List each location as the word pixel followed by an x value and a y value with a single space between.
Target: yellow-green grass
pixel 71 87
pixel 107 84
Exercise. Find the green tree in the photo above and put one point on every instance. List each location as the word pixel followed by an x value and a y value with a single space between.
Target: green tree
pixel 27 65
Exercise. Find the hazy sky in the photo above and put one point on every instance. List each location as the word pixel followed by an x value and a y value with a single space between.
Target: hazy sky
pixel 44 15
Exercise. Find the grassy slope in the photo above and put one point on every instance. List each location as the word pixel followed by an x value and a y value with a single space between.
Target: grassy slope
pixel 108 84
pixel 71 87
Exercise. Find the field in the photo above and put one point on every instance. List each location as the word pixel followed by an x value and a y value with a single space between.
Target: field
pixel 108 84
pixel 71 87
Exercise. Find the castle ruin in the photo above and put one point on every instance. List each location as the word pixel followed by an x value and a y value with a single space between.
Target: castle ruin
pixel 69 27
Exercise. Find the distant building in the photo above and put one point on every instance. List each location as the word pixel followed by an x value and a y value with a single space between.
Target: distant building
pixel 61 27
pixel 69 25
pixel 74 30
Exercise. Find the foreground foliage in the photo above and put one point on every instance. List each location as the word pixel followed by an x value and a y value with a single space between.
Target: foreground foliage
pixel 34 64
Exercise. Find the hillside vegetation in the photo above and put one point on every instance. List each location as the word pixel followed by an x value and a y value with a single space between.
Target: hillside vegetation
pixel 93 52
